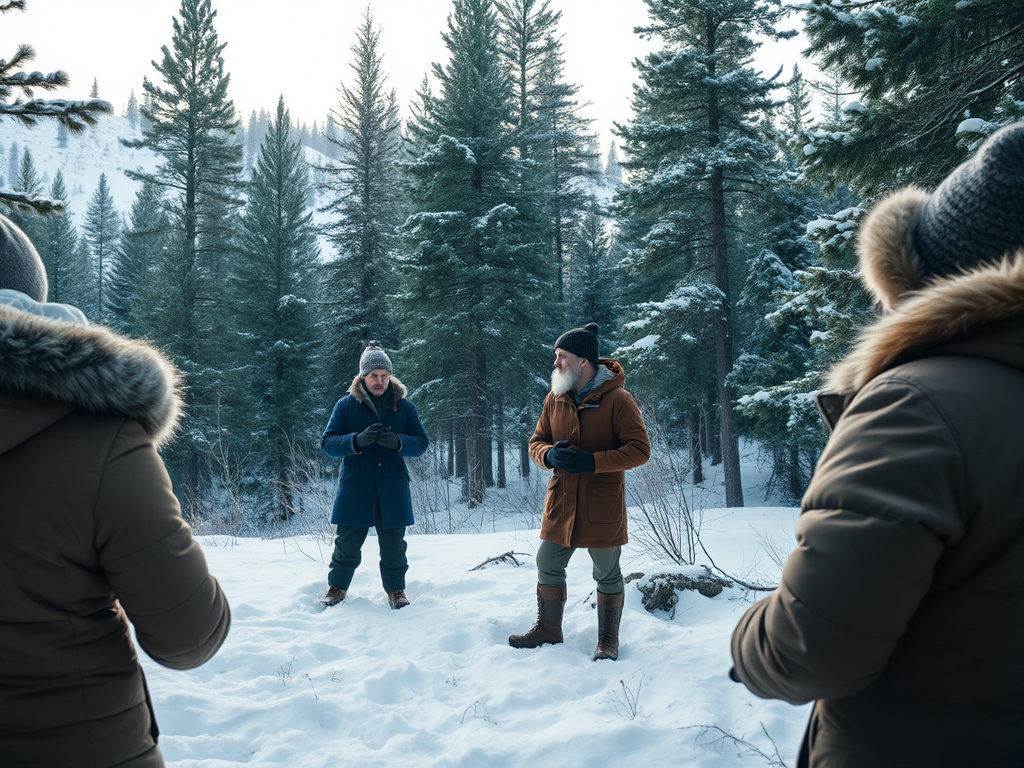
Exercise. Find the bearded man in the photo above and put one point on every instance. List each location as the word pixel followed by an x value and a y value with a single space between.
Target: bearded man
pixel 590 432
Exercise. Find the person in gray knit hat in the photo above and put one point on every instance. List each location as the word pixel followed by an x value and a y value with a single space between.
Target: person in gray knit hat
pixel 589 433
pixel 901 612
pixel 93 534
pixel 372 429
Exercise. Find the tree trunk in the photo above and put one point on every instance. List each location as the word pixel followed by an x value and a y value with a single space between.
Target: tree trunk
pixel 696 457
pixel 499 426
pixel 723 327
pixel 479 442
pixel 723 349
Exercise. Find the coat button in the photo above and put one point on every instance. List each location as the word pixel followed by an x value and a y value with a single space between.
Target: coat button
pixel 380 463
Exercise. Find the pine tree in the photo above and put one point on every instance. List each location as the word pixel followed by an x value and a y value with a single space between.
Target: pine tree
pixel 274 289
pixel 70 278
pixel 132 110
pixel 695 151
pixel 363 201
pixel 190 123
pixel 29 186
pixel 144 243
pixel 612 168
pixel 73 115
pixel 473 278
pixel 550 132
pixel 934 75
pixel 94 92
pixel 100 232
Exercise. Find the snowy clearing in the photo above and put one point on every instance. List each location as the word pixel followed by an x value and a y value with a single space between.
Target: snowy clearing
pixel 436 684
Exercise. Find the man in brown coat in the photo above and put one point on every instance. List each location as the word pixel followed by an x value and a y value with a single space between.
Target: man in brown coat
pixel 92 533
pixel 590 432
pixel 901 612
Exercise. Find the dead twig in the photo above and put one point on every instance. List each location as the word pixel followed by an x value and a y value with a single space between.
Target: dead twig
pixel 508 557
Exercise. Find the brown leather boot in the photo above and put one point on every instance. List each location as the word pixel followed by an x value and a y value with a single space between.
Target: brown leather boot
pixel 397 599
pixel 609 614
pixel 548 629
pixel 334 596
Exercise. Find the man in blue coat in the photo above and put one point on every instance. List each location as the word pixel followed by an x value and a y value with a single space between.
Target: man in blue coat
pixel 371 430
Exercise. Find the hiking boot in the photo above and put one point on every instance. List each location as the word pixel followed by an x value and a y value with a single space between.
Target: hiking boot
pixel 609 614
pixel 548 629
pixel 397 599
pixel 334 596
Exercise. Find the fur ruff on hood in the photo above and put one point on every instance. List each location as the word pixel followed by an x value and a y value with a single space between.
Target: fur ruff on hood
pixel 358 391
pixel 92 368
pixel 945 309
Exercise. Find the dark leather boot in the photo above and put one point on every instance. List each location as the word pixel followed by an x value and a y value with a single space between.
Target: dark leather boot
pixel 609 614
pixel 548 629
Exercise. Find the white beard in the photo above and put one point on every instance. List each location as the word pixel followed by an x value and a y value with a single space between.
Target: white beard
pixel 563 381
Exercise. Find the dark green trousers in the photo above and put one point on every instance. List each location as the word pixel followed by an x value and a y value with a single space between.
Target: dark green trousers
pixel 552 559
pixel 347 555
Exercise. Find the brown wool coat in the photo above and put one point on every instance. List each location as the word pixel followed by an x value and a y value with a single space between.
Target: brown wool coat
pixel 92 537
pixel 902 609
pixel 589 510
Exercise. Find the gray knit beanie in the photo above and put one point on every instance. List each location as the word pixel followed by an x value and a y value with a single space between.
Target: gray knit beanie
pixel 21 269
pixel 977 212
pixel 372 359
pixel 581 342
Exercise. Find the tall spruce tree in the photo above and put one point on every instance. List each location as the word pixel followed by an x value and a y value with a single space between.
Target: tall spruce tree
pixel 274 291
pixel 363 200
pixel 474 278
pixel 144 242
pixel 100 231
pixel 190 122
pixel 551 134
pixel 695 151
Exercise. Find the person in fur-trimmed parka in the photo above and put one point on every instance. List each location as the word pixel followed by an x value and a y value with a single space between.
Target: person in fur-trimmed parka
pixel 901 612
pixel 372 429
pixel 92 533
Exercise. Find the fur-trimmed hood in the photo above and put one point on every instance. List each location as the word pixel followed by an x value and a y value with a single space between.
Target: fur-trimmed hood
pixel 949 312
pixel 85 367
pixel 358 391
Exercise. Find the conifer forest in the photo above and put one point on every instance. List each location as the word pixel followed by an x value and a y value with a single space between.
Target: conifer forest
pixel 712 238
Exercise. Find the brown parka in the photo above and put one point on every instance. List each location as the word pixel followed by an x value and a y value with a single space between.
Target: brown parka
pixel 589 509
pixel 902 609
pixel 92 537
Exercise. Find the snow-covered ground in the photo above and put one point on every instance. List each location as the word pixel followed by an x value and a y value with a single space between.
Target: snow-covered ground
pixel 436 684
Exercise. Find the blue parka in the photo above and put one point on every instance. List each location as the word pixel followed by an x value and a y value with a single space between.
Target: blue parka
pixel 377 474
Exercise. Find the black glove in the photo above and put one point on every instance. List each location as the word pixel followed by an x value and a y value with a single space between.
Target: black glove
pixel 388 439
pixel 733 676
pixel 369 435
pixel 570 458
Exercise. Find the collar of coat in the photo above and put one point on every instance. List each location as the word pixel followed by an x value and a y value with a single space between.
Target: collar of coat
pixel 945 310
pixel 91 368
pixel 358 391
pixel 616 379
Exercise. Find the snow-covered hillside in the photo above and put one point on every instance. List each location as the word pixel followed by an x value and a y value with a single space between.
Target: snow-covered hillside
pixel 436 684
pixel 84 157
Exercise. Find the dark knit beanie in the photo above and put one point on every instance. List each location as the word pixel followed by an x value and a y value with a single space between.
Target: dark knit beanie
pixel 21 269
pixel 372 359
pixel 977 212
pixel 581 342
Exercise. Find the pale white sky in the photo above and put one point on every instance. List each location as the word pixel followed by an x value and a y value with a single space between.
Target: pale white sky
pixel 301 48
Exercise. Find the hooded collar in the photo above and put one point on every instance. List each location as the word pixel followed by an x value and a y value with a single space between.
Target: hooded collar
pixel 63 366
pixel 951 315
pixel 358 391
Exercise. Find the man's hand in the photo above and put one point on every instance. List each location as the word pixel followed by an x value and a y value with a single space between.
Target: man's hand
pixel 388 439
pixel 570 458
pixel 369 435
